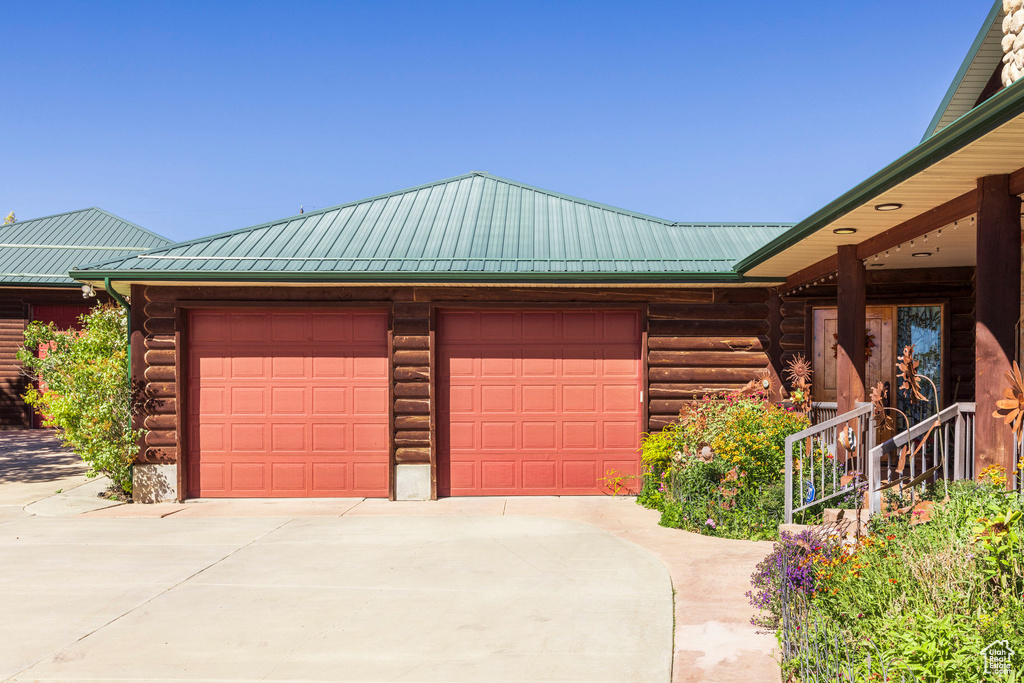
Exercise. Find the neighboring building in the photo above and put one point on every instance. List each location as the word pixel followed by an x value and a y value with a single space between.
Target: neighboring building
pixel 35 256
pixel 477 336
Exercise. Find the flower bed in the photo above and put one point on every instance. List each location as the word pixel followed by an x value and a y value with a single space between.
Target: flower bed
pixel 719 470
pixel 921 596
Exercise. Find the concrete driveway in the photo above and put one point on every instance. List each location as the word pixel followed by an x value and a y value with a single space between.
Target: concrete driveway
pixel 33 466
pixel 330 599
pixel 484 589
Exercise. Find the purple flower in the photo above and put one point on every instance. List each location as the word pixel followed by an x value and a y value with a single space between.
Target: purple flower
pixel 711 523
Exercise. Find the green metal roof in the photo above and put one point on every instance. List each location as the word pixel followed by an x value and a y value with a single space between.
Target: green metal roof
pixel 472 227
pixel 985 54
pixel 40 251
pixel 999 109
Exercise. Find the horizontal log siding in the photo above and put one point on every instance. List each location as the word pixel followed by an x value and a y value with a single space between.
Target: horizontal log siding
pixel 694 349
pixel 153 325
pixel 908 286
pixel 410 364
pixel 14 414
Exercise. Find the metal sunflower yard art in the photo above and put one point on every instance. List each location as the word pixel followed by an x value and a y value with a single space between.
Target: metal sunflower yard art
pixel 878 398
pixel 908 373
pixel 909 451
pixel 1011 408
pixel 799 374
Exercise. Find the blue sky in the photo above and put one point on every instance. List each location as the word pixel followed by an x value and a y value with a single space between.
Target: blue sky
pixel 193 118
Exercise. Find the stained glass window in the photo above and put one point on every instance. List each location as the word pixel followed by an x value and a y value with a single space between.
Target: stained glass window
pixel 922 327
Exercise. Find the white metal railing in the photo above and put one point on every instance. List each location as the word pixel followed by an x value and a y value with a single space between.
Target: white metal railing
pixel 819 468
pixel 941 446
pixel 822 411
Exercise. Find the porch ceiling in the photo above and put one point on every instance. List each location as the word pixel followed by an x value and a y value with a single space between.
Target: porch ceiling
pixel 951 246
pixel 942 179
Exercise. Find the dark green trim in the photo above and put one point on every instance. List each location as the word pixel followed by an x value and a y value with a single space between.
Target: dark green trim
pixel 410 278
pixel 38 285
pixel 983 119
pixel 964 68
pixel 117 297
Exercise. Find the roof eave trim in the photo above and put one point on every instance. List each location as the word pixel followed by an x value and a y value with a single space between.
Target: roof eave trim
pixel 983 119
pixel 414 277
pixel 964 68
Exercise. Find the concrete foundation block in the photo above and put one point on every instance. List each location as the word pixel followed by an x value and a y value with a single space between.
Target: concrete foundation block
pixel 154 483
pixel 412 482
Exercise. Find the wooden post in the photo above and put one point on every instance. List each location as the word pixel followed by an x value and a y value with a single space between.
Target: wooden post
pixel 851 329
pixel 998 283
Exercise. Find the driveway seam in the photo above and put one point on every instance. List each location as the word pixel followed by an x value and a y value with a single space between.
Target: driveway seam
pixel 150 599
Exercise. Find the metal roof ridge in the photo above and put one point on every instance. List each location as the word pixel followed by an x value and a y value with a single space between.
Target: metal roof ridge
pixel 15 245
pixel 134 225
pixel 986 117
pixel 287 219
pixel 21 222
pixel 52 215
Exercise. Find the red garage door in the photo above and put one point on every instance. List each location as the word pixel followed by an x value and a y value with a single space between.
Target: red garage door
pixel 287 404
pixel 537 402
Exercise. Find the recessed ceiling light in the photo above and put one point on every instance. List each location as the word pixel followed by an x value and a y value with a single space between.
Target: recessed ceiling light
pixel 920 254
pixel 875 265
pixel 845 231
pixel 891 206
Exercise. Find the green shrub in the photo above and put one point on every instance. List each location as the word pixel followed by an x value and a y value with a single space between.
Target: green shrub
pixel 719 469
pixel 84 390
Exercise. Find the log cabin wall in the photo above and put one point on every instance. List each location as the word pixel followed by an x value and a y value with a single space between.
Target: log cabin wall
pixel 716 341
pixel 14 414
pixel 697 341
pixel 953 287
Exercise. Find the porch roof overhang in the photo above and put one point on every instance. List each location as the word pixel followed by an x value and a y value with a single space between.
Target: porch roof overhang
pixel 934 185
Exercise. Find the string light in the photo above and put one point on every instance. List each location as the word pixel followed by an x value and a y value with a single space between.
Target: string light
pixel 898 247
pixel 876 257
pixel 956 224
pixel 939 233
pixel 886 253
pixel 911 244
pixel 926 237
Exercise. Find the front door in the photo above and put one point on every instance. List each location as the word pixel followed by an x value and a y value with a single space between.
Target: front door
pixel 879 347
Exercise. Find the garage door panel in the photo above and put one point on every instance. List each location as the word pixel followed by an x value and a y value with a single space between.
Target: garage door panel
pixel 329 438
pixel 248 327
pixel 283 366
pixel 537 412
pixel 288 404
pixel 540 398
pixel 498 475
pixel 540 475
pixel 288 328
pixel 541 326
pixel 579 398
pixel 581 326
pixel 618 398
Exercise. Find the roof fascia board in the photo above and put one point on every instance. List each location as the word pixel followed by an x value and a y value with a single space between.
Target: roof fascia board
pixel 406 278
pixel 964 68
pixel 983 119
